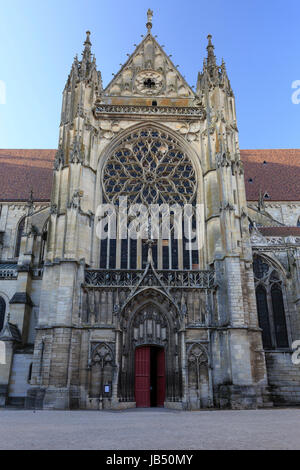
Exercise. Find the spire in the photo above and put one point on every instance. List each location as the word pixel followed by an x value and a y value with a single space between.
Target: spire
pixel 84 69
pixel 149 20
pixel 87 41
pixel 211 58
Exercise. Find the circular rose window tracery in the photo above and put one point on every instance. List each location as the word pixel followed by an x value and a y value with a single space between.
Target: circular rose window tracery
pixel 149 167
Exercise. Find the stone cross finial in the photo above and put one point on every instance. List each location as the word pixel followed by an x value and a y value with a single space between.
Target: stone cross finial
pixel 149 20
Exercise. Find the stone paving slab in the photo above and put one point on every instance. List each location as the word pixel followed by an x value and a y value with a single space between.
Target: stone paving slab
pixel 150 429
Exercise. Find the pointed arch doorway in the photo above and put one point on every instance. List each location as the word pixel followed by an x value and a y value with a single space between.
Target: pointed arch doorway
pixel 150 341
pixel 150 376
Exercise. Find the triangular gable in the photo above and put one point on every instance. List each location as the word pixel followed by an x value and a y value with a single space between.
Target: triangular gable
pixel 149 72
pixel 10 332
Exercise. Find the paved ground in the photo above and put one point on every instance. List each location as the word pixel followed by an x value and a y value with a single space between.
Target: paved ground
pixel 150 429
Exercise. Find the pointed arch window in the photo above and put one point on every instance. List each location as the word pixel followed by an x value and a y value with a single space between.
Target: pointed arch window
pixel 279 317
pixel 270 305
pixel 149 166
pixel 263 316
pixel 2 312
pixel 19 237
pixel 298 222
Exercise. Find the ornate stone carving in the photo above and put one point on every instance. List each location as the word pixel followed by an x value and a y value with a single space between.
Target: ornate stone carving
pixel 53 209
pixel 190 130
pixel 77 155
pixel 75 201
pixel 59 159
pixel 108 129
pixel 101 354
pixel 149 82
pixel 197 355
pixel 115 278
pixel 223 159
pixel 178 111
pixel 149 327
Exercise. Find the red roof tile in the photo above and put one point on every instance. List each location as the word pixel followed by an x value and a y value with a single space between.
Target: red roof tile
pixel 279 176
pixel 23 170
pixel 280 231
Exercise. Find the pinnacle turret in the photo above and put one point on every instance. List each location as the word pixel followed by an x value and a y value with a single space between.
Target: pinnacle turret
pixel 86 55
pixel 212 74
pixel 86 68
pixel 82 80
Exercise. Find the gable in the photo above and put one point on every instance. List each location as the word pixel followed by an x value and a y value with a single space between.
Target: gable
pixel 149 72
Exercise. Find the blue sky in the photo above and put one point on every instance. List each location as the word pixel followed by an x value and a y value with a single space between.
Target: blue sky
pixel 259 41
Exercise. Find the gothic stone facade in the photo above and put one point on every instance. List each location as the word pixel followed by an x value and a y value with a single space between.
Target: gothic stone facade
pixel 93 324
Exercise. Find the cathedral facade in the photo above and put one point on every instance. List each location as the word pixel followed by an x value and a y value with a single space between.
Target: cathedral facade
pixel 100 307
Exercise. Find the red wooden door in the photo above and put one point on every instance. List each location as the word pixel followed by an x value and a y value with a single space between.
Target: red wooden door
pixel 161 377
pixel 142 377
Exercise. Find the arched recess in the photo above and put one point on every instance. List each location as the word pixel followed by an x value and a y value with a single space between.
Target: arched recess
pixel 44 238
pixel 272 310
pixel 150 318
pixel 199 377
pixel 166 257
pixel 2 312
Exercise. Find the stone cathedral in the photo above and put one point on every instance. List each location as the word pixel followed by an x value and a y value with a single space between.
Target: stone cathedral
pixel 91 322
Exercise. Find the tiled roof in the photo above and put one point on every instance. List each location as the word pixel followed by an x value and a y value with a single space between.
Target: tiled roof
pixel 280 231
pixel 275 172
pixel 24 170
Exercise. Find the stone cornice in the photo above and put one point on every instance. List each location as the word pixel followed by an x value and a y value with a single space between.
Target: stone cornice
pixel 178 112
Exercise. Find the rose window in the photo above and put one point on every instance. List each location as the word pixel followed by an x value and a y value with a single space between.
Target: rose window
pixel 149 167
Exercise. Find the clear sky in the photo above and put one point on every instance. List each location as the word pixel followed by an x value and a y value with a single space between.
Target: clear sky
pixel 259 40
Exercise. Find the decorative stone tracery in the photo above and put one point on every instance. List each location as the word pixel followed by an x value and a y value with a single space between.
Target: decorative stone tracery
pixel 270 304
pixel 101 370
pixel 149 167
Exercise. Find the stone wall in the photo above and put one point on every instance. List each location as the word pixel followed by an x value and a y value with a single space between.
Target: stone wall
pixel 19 379
pixel 287 213
pixel 284 378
